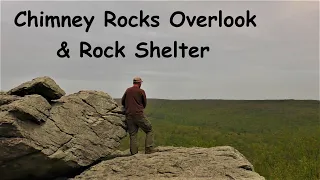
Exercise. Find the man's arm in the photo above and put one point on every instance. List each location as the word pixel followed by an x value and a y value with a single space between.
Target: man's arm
pixel 123 99
pixel 144 99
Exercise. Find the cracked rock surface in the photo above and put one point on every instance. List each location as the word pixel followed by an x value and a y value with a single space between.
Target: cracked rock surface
pixel 175 163
pixel 42 139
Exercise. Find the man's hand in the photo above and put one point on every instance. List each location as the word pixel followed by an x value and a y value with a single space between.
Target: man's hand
pixel 123 110
pixel 119 110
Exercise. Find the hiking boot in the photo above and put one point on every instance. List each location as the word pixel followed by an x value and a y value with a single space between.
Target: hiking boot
pixel 150 150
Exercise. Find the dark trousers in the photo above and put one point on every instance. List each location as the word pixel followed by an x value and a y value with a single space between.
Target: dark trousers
pixel 134 123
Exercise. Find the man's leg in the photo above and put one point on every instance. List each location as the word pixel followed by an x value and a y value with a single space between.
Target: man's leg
pixel 146 126
pixel 133 132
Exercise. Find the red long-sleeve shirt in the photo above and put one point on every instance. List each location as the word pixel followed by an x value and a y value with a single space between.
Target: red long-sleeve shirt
pixel 134 101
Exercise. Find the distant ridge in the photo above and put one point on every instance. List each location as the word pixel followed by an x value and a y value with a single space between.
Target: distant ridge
pixel 118 99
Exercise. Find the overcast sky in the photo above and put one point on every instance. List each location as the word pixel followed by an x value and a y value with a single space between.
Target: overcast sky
pixel 278 59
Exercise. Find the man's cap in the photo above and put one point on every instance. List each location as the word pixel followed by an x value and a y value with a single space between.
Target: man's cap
pixel 137 79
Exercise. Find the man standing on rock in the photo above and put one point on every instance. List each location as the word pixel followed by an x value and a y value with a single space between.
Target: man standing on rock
pixel 134 101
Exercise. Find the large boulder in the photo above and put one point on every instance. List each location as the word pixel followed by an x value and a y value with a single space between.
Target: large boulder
pixel 175 163
pixel 44 86
pixel 40 140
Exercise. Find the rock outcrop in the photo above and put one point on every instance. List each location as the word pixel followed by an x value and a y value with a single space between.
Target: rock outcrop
pixel 41 139
pixel 44 86
pixel 45 134
pixel 176 163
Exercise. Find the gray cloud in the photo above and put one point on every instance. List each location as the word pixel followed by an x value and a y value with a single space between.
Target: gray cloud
pixel 276 60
